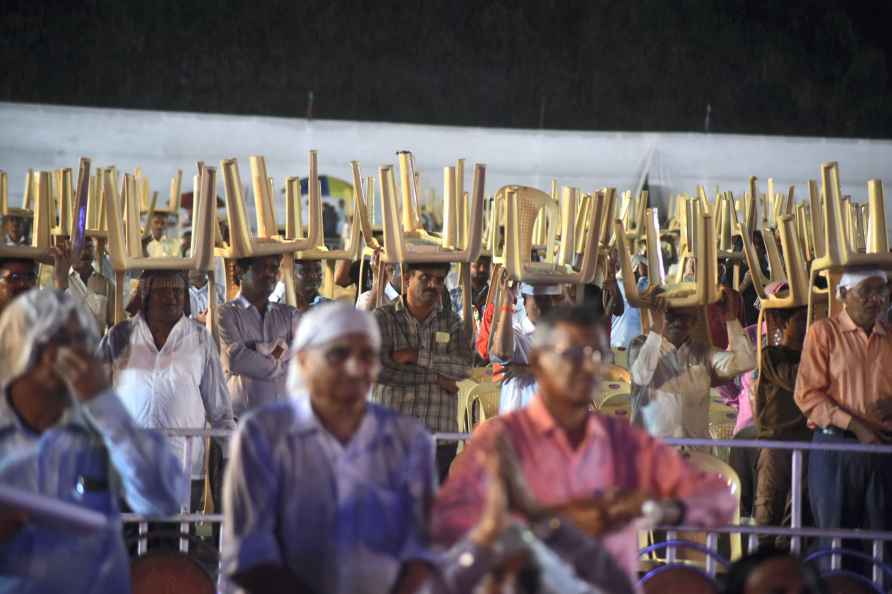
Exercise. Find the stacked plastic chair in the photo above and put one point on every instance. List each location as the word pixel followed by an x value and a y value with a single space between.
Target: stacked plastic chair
pixel 125 234
pixel 38 191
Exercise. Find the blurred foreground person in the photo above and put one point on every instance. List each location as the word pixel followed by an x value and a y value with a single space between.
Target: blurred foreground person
pixel 576 461
pixel 327 492
pixel 773 571
pixel 65 434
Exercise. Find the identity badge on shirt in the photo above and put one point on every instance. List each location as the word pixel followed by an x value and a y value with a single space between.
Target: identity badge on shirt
pixel 442 337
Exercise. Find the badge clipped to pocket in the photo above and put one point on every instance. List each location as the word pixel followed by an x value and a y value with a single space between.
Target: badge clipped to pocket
pixel 442 337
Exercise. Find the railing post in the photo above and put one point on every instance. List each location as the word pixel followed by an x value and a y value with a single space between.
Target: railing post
pixel 796 497
pixel 712 543
pixel 187 466
pixel 835 559
pixel 878 548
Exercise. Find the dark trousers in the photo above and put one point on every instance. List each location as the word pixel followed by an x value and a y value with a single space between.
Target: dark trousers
pixel 850 490
pixel 445 456
pixel 773 504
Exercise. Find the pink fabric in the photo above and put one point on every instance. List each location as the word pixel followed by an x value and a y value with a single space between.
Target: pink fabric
pixel 613 453
pixel 747 381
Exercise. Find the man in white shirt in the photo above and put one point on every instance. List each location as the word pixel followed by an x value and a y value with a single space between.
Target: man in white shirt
pixel 512 339
pixel 92 288
pixel 392 279
pixel 166 368
pixel 159 245
pixel 675 372
pixel 254 336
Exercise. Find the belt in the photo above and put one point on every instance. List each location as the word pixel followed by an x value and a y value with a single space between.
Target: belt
pixel 837 432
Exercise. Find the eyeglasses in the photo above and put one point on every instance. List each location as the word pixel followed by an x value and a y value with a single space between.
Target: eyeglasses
pixel 579 354
pixel 19 277
pixel 879 293
pixel 338 355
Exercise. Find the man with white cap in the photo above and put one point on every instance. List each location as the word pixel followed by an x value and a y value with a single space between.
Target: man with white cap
pixel 513 336
pixel 844 388
pixel 64 434
pixel 327 492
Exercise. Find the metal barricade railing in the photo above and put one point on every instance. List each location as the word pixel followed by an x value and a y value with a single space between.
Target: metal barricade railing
pixel 796 531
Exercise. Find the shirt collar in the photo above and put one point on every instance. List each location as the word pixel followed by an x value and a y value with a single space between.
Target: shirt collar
pixel 401 306
pixel 242 302
pixel 546 425
pixel 846 324
pixel 306 421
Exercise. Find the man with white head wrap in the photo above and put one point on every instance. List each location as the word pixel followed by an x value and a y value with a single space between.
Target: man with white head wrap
pixel 327 492
pixel 64 434
pixel 512 339
pixel 844 388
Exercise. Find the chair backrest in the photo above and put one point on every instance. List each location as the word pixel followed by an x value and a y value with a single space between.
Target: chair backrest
pixel 267 243
pixel 483 403
pixel 423 246
pixel 169 572
pixel 38 186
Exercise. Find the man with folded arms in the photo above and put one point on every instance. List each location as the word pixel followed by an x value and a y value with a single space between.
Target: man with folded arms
pixel 65 434
pixel 254 336
pixel 425 351
pixel 844 388
pixel 578 462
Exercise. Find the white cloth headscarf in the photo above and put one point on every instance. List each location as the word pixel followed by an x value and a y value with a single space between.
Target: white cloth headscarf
pixel 853 278
pixel 31 320
pixel 322 324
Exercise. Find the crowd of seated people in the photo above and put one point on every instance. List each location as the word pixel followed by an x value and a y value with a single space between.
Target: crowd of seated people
pixel 332 482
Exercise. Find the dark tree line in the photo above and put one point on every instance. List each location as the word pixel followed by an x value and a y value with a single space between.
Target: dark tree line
pixel 791 67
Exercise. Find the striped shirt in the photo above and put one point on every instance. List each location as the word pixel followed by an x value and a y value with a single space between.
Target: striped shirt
pixel 443 348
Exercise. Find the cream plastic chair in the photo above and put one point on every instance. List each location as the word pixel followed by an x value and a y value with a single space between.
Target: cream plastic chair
pixel 520 213
pixel 268 242
pixel 405 240
pixel 710 464
pixel 546 224
pixel 703 291
pixel 353 248
pixel 834 252
pixel 38 190
pixel 483 403
pixel 125 235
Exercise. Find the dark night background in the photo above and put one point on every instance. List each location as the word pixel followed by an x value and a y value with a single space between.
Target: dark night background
pixel 765 66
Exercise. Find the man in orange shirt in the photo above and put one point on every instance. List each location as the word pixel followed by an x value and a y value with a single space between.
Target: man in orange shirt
pixel 844 388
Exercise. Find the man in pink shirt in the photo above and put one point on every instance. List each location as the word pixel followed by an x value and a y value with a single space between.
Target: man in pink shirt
pixel 577 463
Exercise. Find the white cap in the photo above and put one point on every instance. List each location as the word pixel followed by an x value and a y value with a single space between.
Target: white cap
pixel 853 278
pixel 527 289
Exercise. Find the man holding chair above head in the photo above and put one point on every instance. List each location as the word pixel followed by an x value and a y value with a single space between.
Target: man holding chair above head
pixel 675 371
pixel 254 336
pixel 844 388
pixel 513 337
pixel 425 351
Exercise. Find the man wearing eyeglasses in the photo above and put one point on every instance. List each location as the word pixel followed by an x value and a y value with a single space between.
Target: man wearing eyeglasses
pixel 844 388
pixel 16 277
pixel 596 470
pixel 326 492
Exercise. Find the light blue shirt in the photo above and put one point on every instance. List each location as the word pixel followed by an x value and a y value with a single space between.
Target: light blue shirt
pixel 343 518
pixel 626 327
pixel 95 455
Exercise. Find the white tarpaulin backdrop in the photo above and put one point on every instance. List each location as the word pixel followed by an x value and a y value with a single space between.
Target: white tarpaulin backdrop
pixel 49 137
